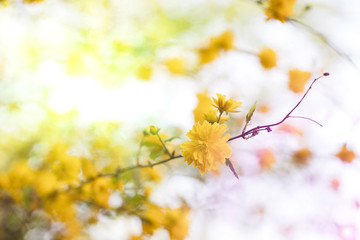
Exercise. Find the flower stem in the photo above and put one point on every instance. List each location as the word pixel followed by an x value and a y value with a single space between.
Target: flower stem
pixel 218 120
pixel 164 146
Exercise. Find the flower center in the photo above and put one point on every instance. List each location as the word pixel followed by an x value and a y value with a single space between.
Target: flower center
pixel 203 145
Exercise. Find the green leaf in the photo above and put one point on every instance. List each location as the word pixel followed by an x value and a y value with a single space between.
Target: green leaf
pixel 170 139
pixel 250 113
pixel 156 153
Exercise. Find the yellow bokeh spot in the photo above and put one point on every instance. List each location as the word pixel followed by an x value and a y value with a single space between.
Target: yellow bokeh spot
pixel 147 191
pixel 280 9
pixel 178 223
pixel 87 168
pixel 4 181
pixel 154 217
pixel 4 3
pixel 264 108
pixel 152 174
pixel 144 72
pixel 203 106
pixel 61 209
pixel 302 156
pixel 298 79
pixel 67 168
pixel 207 55
pixel 101 191
pixel 45 182
pixel 32 1
pixel 121 46
pixel 345 154
pixel 76 65
pixel 266 159
pixel 174 220
pixel 223 42
pixel 267 58
pixel 175 65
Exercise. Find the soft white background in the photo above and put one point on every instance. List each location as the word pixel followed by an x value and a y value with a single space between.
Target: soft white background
pixel 284 203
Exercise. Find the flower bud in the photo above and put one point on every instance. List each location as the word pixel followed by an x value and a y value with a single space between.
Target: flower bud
pixel 154 130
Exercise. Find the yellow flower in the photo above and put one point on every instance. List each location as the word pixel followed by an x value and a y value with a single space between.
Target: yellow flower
pixel 225 105
pixel 267 58
pixel 280 9
pixel 207 146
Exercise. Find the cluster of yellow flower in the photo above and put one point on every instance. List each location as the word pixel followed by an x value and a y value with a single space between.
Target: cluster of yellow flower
pixel 208 142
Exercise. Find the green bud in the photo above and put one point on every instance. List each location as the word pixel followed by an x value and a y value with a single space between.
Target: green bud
pixel 154 130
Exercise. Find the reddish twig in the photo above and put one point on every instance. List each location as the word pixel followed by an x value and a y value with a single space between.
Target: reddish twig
pixel 254 131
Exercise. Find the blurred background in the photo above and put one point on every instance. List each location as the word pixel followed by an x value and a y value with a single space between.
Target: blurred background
pixel 81 80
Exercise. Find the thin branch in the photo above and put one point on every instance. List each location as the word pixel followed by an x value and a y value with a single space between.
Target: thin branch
pixel 117 173
pixel 254 131
pixel 307 119
pixel 120 171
